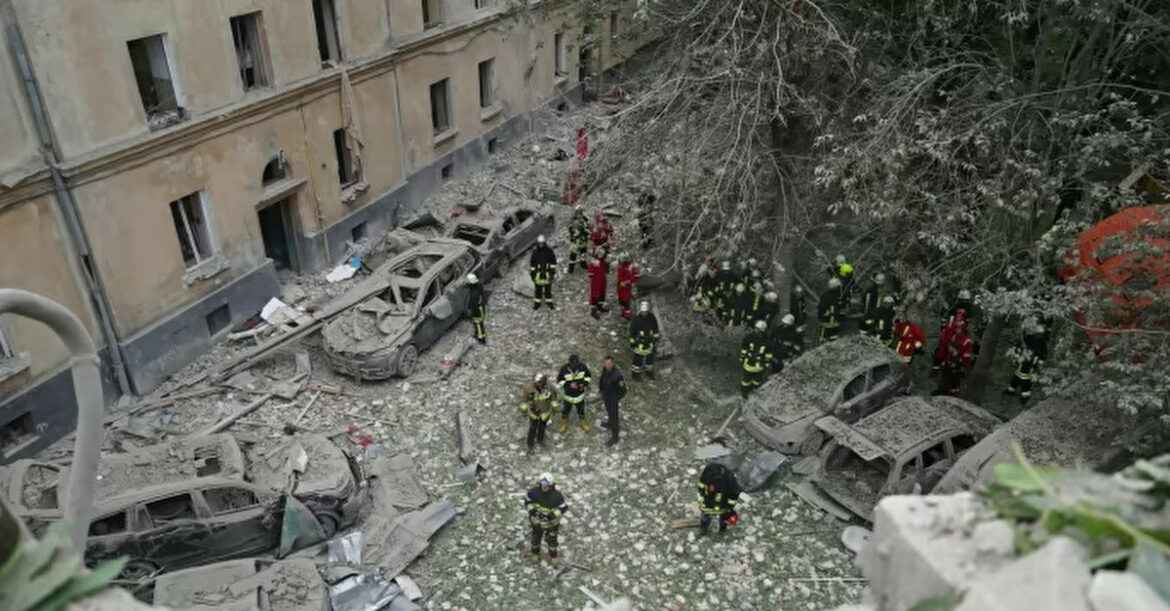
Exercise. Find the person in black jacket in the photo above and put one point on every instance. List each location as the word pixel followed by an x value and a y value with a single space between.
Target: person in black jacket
pixel 644 335
pixel 798 307
pixel 718 496
pixel 543 268
pixel 829 312
pixel 573 381
pixel 545 505
pixel 613 387
pixel 477 307
pixel 1030 354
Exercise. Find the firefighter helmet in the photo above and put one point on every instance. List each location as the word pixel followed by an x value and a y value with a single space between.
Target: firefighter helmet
pixel 644 306
pixel 546 479
pixel 472 279
pixel 761 325
pixel 834 283
pixel 788 319
pixel 540 239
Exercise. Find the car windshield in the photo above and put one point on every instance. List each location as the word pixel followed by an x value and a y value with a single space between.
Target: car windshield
pixel 809 381
pixel 845 467
pixel 472 233
pixel 416 266
pixel 398 298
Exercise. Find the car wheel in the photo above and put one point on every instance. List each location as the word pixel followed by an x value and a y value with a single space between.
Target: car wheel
pixel 812 443
pixel 407 359
pixel 329 523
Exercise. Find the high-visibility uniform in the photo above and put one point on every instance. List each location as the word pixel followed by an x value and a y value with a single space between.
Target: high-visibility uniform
pixel 718 496
pixel 1030 355
pixel 477 311
pixel 755 356
pixel 536 401
pixel 543 269
pixel 578 240
pixel 573 382
pixel 829 315
pixel 627 276
pixel 545 508
pixel 644 335
pixel 958 357
pixel 725 281
pixel 908 340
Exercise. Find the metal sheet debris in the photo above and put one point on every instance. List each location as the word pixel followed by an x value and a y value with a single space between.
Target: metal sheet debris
pixel 398 483
pixel 410 589
pixel 298 528
pixel 754 475
pixel 408 537
pixel 365 592
pixel 347 549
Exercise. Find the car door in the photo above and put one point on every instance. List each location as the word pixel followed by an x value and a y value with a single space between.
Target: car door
pixel 852 399
pixel 110 536
pixel 936 461
pixel 882 385
pixel 428 327
pixel 170 532
pixel 242 522
pixel 456 291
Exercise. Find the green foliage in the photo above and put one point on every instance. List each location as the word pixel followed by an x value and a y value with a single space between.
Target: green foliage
pixel 47 576
pixel 1123 520
pixel 946 602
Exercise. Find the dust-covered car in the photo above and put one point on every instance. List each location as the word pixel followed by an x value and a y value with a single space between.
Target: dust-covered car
pixel 501 236
pixel 195 500
pixel 246 584
pixel 904 448
pixel 848 378
pixel 414 299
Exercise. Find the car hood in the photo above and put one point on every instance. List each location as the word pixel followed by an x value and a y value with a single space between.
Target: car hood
pixel 857 494
pixel 778 403
pixel 359 332
pixel 327 471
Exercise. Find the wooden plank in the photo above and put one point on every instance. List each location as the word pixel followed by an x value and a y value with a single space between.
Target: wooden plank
pixel 243 411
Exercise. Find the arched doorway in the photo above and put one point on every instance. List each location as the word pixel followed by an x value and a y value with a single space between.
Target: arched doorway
pixel 276 214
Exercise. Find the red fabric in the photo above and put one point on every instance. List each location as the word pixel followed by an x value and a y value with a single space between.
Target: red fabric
pixel 598 272
pixel 602 231
pixel 627 276
pixel 582 144
pixel 957 324
pixel 959 351
pixel 910 338
pixel 572 191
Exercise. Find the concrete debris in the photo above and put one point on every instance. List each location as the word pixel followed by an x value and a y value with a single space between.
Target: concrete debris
pixel 246 381
pixel 854 538
pixel 410 589
pixel 239 413
pixel 398 484
pixel 464 438
pixel 364 592
pixel 1116 591
pixel 453 357
pixel 347 549
pixel 1053 578
pixel 345 271
pixel 523 286
pixel 407 538
pixel 711 452
pixel 812 495
pixel 468 473
pixel 755 475
pixel 288 585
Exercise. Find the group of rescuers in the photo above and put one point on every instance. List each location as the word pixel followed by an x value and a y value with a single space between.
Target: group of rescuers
pixel 740 295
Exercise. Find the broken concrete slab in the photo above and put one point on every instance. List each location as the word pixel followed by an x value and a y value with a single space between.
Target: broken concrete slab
pixel 394 548
pixel 711 452
pixel 410 589
pixel 453 357
pixel 464 438
pixel 524 287
pixel 1053 578
pixel 812 495
pixel 398 484
pixel 1116 591
pixel 467 473
pixel 855 538
pixel 755 475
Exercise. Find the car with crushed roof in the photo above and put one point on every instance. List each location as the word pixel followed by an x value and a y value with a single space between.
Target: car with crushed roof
pixel 904 448
pixel 196 499
pixel 501 236
pixel 848 378
pixel 402 308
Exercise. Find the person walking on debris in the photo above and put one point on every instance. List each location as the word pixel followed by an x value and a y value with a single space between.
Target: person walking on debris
pixel 798 306
pixel 704 296
pixel 627 277
pixel 741 306
pixel 956 356
pixel 477 307
pixel 602 232
pixel 718 497
pixel 543 268
pixel 644 335
pixel 965 303
pixel 545 505
pixel 536 401
pixel 754 355
pixel 879 322
pixel 613 388
pixel 787 343
pixel 909 339
pixel 598 277
pixel 829 312
pixel 1030 354
pixel 578 239
pixel 646 219
pixel 573 381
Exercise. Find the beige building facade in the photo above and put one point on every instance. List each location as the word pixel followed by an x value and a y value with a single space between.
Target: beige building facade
pixel 163 161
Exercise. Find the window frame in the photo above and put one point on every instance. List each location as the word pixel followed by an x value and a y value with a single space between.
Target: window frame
pixel 443 85
pixel 559 68
pixel 157 523
pixel 348 173
pixel 613 24
pixel 188 234
pixel 327 21
pixel 432 14
pixel 211 510
pixel 487 82
pixel 261 62
pixel 164 45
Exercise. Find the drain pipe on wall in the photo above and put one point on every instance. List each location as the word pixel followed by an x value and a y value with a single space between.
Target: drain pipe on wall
pixel 75 230
pixel 87 385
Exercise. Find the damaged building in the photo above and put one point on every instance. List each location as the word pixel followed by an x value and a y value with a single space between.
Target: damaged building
pixel 165 162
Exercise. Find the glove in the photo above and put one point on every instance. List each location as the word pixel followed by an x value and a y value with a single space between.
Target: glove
pixel 733 519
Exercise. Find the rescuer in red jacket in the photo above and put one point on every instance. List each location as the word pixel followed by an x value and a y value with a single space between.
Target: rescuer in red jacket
pixel 627 276
pixel 598 271
pixel 602 231
pixel 909 339
pixel 958 355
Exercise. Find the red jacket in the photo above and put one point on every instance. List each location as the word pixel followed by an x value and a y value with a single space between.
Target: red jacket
pixel 572 190
pixel 956 325
pixel 598 272
pixel 627 277
pixel 601 234
pixel 959 351
pixel 909 338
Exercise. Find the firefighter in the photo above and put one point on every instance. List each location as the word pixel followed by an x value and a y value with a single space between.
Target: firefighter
pixel 765 309
pixel 536 401
pixel 601 233
pixel 871 301
pixel 578 239
pixel 842 270
pixel 741 305
pixel 958 355
pixel 965 302
pixel 879 322
pixel 755 355
pixel 703 285
pixel 627 277
pixel 644 336
pixel 909 339
pixel 573 382
pixel 798 307
pixel 545 505
pixel 646 219
pixel 543 269
pixel 718 496
pixel 829 312
pixel 787 343
pixel 725 292
pixel 598 273
pixel 1030 355
pixel 477 307
pixel 612 387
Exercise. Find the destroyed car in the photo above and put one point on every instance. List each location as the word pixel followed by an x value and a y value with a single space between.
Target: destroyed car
pixel 247 584
pixel 196 499
pixel 501 237
pixel 1054 432
pixel 849 378
pixel 904 448
pixel 414 298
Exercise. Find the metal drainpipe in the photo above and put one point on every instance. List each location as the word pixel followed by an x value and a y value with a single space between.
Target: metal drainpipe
pixel 64 196
pixel 87 385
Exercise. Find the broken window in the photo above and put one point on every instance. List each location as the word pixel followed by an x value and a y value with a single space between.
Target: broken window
pixel 191 226
pixel 251 51
pixel 962 443
pixel 206 459
pixel 39 488
pixel 148 57
pixel 275 170
pixel 472 233
pixel 109 525
pixel 559 54
pixel 226 500
pixel 854 388
pixel 328 42
pixel 346 169
pixel 613 24
pixel 936 454
pixel 171 509
pixel 482 3
pixel 440 107
pixel 522 216
pixel 487 94
pixel 432 293
pixel 431 14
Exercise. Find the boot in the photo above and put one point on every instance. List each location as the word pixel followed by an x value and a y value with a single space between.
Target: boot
pixel 584 424
pixel 612 442
pixel 650 373
pixel 564 425
pixel 536 305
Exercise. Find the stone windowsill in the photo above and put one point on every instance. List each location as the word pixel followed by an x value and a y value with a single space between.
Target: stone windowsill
pixel 491 112
pixel 351 192
pixel 13 366
pixel 442 138
pixel 207 269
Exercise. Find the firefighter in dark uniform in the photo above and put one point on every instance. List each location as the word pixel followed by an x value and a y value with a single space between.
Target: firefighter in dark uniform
pixel 787 343
pixel 543 268
pixel 573 381
pixel 578 239
pixel 545 505
pixel 798 307
pixel 829 312
pixel 765 309
pixel 536 401
pixel 879 322
pixel 871 301
pixel 741 307
pixel 644 335
pixel 755 356
pixel 725 282
pixel 612 386
pixel 1030 355
pixel 477 307
pixel 718 496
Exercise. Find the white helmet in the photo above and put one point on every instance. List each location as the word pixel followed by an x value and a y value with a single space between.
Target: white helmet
pixel 880 278
pixel 834 283
pixel 771 296
pixel 761 325
pixel 888 300
pixel 472 279
pixel 539 378
pixel 725 265
pixel 752 262
pixel 644 306
pixel 546 479
pixel 739 288
pixel 964 294
pixel 840 259
pixel 540 239
pixel 798 289
pixel 788 319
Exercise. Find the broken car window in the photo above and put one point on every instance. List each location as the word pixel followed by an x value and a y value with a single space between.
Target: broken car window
pixel 226 500
pixel 854 388
pixel 171 509
pixel 523 215
pixel 881 373
pixel 110 525
pixel 936 454
pixel 962 443
pixel 472 233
